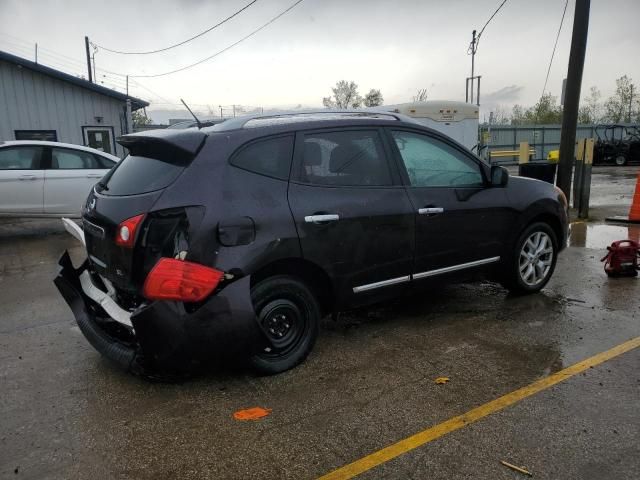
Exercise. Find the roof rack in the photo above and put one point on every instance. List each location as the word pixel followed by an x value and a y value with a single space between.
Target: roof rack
pixel 291 116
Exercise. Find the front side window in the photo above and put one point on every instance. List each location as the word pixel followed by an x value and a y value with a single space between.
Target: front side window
pixel 349 158
pixel 433 163
pixel 20 158
pixel 270 157
pixel 65 159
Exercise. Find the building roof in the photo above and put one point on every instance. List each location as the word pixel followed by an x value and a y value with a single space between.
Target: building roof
pixel 136 103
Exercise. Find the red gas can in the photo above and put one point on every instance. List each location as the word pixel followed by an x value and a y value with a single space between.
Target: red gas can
pixel 622 259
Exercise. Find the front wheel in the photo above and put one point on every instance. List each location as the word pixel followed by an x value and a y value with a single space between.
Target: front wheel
pixel 289 315
pixel 530 266
pixel 621 160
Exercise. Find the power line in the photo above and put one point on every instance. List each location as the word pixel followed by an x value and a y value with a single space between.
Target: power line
pixel 221 51
pixel 554 47
pixel 491 18
pixel 184 41
pixel 151 91
pixel 473 48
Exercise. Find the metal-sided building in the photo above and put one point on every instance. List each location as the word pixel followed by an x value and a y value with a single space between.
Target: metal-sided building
pixel 40 103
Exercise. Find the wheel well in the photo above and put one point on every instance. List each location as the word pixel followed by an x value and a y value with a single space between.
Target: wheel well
pixel 553 222
pixel 310 273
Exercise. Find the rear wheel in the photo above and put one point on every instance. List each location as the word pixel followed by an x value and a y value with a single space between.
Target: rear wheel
pixel 290 317
pixel 530 266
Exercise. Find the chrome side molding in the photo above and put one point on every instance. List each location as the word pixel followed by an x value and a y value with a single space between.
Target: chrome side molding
pixel 429 273
pixel 383 283
pixel 453 268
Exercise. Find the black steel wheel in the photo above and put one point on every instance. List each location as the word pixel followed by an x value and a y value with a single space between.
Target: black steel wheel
pixel 289 315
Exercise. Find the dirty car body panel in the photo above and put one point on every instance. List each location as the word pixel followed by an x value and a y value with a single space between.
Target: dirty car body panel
pixel 247 199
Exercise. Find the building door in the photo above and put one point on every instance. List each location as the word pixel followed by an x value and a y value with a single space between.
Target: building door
pixel 100 138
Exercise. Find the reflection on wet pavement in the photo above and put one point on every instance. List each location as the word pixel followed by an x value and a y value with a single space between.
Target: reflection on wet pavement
pixel 600 236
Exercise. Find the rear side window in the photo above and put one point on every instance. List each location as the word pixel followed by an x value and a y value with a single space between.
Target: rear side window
pixel 270 157
pixel 136 174
pixel 348 158
pixel 105 162
pixel 65 159
pixel 20 158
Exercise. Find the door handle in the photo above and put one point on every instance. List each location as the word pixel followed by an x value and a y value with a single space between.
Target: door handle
pixel 27 177
pixel 329 217
pixel 430 210
pixel 91 175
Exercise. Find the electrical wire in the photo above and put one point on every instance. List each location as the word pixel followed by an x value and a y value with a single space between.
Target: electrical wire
pixel 149 52
pixel 474 49
pixel 491 18
pixel 554 47
pixel 220 51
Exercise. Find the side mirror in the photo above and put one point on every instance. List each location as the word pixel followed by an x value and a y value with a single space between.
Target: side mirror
pixel 499 176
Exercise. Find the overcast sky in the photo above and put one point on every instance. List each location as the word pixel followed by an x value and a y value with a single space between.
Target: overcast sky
pixel 396 46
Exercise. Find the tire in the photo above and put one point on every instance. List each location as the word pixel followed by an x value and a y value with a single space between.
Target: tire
pixel 520 274
pixel 290 317
pixel 620 160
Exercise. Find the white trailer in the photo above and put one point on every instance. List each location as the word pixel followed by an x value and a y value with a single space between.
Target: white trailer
pixel 458 120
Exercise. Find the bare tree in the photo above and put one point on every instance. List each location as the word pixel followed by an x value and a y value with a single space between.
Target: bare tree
pixel 592 107
pixel 620 107
pixel 499 116
pixel 373 98
pixel 421 96
pixel 345 95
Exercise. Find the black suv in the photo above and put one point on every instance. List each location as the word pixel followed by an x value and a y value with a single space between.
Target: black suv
pixel 242 236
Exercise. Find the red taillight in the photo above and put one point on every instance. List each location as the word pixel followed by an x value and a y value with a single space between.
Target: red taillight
pixel 126 233
pixel 172 279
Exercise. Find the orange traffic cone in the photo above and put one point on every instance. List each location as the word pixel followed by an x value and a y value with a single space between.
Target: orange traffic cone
pixel 634 211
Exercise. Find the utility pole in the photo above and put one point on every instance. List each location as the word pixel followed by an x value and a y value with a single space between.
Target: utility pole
pixel 473 60
pixel 572 95
pixel 36 52
pixel 128 89
pixel 220 110
pixel 471 81
pixel 86 47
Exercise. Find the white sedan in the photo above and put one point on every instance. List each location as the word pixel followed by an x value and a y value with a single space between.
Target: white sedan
pixel 43 179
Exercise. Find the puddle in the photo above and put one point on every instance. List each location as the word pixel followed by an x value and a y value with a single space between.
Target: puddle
pixel 600 236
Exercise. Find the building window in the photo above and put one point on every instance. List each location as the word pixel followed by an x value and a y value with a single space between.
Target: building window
pixel 100 138
pixel 46 135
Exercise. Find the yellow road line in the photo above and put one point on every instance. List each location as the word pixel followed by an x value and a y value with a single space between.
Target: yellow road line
pixel 403 446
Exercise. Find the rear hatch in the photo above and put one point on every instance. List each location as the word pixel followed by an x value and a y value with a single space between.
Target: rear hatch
pixel 156 159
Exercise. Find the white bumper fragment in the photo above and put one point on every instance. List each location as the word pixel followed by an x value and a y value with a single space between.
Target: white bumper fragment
pixel 104 299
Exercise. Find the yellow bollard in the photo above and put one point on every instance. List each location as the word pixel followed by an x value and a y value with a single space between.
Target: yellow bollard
pixel 524 153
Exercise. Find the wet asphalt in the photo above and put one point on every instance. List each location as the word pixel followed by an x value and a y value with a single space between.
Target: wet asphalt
pixel 65 412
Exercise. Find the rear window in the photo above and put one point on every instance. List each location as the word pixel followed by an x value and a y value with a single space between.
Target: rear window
pixel 137 174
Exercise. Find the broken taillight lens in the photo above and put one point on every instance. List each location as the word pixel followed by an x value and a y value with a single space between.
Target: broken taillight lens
pixel 172 279
pixel 126 233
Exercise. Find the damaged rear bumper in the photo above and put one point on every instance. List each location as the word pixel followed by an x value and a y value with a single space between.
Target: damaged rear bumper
pixel 162 335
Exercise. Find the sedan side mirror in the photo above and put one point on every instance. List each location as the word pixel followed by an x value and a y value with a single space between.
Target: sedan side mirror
pixel 499 176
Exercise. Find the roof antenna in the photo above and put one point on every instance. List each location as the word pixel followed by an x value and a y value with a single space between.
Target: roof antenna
pixel 192 114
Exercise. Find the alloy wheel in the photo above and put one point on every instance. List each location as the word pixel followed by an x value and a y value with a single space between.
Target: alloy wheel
pixel 536 258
